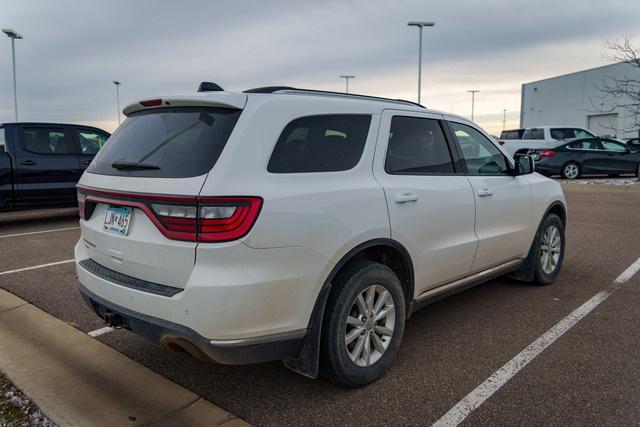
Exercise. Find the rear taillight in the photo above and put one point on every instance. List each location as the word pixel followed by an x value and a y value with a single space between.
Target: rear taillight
pixel 501 142
pixel 194 219
pixel 82 199
pixel 546 153
pixel 182 218
pixel 223 219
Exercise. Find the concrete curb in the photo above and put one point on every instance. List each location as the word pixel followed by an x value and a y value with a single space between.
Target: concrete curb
pixel 77 380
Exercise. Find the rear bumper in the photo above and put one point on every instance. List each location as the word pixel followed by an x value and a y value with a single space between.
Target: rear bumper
pixel 176 337
pixel 547 169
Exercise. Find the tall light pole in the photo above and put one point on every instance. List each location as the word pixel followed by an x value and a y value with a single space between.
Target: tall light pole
pixel 117 83
pixel 13 36
pixel 504 118
pixel 473 101
pixel 347 81
pixel 420 25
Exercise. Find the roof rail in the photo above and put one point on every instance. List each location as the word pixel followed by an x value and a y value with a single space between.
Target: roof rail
pixel 289 89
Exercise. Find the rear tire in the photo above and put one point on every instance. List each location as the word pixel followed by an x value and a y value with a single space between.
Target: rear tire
pixel 570 170
pixel 548 250
pixel 356 349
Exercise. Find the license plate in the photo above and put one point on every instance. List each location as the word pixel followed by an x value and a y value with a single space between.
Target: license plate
pixel 117 220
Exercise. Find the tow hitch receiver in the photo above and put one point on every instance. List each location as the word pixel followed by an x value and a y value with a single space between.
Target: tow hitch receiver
pixel 114 320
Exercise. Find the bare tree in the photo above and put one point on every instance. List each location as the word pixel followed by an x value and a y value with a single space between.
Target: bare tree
pixel 622 92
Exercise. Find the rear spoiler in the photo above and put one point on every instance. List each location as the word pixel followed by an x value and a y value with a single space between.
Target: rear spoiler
pixel 206 99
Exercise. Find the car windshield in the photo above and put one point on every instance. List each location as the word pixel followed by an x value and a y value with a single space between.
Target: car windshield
pixel 167 143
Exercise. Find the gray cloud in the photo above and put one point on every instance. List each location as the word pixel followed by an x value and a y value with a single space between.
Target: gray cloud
pixel 73 49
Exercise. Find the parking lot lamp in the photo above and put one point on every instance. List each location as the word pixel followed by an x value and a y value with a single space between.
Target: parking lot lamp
pixel 347 81
pixel 13 35
pixel 504 118
pixel 420 24
pixel 473 101
pixel 117 83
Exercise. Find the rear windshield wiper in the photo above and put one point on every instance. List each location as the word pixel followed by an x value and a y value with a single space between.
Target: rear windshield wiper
pixel 133 166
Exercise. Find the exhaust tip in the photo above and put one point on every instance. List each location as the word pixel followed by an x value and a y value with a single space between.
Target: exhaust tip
pixel 183 345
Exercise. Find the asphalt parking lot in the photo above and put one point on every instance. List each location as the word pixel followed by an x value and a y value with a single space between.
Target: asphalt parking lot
pixel 589 375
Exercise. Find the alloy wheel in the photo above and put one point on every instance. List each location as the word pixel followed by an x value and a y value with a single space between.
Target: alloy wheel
pixel 571 171
pixel 370 325
pixel 550 247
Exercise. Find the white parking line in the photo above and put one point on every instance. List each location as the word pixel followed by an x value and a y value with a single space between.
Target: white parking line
pixel 101 331
pixel 35 267
pixel 484 391
pixel 38 232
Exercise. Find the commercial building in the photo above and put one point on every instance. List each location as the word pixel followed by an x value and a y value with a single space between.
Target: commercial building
pixel 576 99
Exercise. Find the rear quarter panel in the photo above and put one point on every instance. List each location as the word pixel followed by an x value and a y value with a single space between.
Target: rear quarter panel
pixel 327 212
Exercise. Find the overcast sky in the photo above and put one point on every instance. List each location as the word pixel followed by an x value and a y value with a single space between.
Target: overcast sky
pixel 72 50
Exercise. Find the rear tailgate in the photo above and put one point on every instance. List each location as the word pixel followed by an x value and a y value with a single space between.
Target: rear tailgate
pixel 138 198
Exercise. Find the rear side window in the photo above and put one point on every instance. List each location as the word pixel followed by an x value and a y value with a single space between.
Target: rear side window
pixel 167 143
pixel 324 143
pixel 533 133
pixel 90 142
pixel 417 146
pixel 568 133
pixel 512 134
pixel 42 140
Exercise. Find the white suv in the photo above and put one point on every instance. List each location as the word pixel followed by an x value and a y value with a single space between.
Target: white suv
pixel 303 226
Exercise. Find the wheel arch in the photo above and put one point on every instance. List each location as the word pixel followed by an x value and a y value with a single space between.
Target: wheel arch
pixel 387 251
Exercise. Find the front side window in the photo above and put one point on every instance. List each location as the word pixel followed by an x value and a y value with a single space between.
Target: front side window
pixel 613 146
pixel 323 143
pixel 533 133
pixel 47 141
pixel 90 142
pixel 478 152
pixel 417 146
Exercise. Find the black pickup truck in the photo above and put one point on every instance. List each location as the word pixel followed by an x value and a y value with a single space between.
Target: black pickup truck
pixel 41 163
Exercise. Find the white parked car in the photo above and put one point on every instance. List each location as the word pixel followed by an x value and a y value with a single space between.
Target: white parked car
pixel 520 141
pixel 303 226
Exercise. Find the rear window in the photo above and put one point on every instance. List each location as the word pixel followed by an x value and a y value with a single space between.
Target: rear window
pixel 512 134
pixel 167 143
pixel 533 133
pixel 324 143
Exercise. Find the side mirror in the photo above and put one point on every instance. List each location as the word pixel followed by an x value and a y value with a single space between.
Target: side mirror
pixel 524 164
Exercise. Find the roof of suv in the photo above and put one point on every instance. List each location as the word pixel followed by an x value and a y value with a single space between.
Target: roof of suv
pixel 228 99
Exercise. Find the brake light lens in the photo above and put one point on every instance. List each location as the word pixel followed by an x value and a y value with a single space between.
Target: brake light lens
pixel 193 219
pixel 82 199
pixel 224 219
pixel 501 142
pixel 151 102
pixel 547 153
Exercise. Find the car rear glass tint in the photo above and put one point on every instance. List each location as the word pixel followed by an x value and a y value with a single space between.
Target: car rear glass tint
pixel 533 133
pixel 323 143
pixel 168 143
pixel 512 134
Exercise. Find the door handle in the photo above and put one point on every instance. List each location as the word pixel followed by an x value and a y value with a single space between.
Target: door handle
pixel 485 192
pixel 86 162
pixel 405 198
pixel 28 162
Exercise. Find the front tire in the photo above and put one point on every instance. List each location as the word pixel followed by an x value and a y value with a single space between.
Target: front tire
pixel 571 170
pixel 549 248
pixel 363 324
